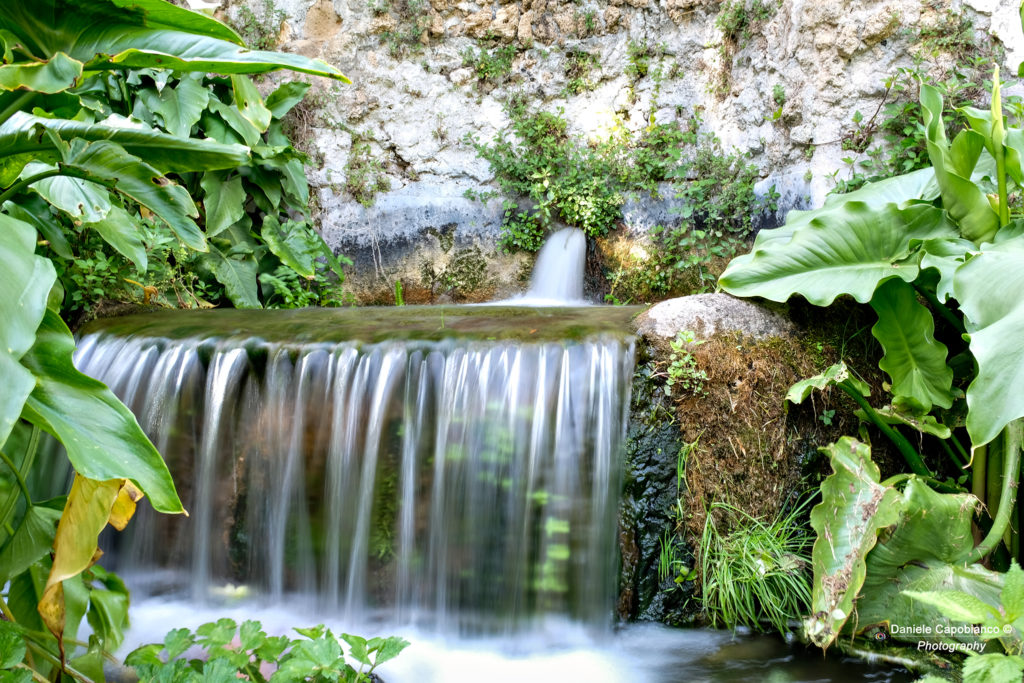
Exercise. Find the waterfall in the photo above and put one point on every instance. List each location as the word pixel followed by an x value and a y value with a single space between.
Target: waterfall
pixel 458 484
pixel 558 273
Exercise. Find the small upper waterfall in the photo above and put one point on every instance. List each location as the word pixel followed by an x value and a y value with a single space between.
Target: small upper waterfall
pixel 463 483
pixel 558 273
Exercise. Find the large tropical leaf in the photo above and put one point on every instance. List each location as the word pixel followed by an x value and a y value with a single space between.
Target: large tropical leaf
pixel 915 361
pixel 238 275
pixel 853 507
pixel 59 73
pixel 26 134
pixel 107 164
pixel 24 287
pixel 223 201
pixel 954 166
pixel 294 243
pixel 988 288
pixel 921 554
pixel 119 34
pixel 101 436
pixel 849 250
pixel 121 231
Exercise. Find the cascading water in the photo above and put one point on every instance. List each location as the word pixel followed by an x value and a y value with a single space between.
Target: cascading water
pixel 462 485
pixel 558 272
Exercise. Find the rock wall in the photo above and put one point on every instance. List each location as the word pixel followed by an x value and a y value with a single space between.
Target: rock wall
pixel 783 88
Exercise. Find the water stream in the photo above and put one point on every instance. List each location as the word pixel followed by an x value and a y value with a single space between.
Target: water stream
pixel 449 474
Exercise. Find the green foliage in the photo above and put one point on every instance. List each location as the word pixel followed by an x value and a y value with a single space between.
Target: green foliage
pixel 682 375
pixel 638 55
pixel 364 172
pixel 778 94
pixel 564 177
pixel 411 19
pixel 233 652
pixel 492 65
pixel 75 170
pixel 259 27
pixel 578 68
pixel 756 573
pixel 738 19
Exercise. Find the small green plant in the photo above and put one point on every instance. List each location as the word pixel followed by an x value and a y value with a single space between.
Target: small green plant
pixel 778 94
pixel 639 56
pixel 492 65
pixel 411 21
pixel 738 19
pixel 364 173
pixel 234 652
pixel 682 376
pixel 578 68
pixel 756 573
pixel 586 22
pixel 259 27
pixel 399 299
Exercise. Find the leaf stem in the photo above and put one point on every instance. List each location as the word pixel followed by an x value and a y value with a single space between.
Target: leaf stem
pixel 22 184
pixel 941 308
pixel 17 105
pixel 1013 436
pixel 907 450
pixel 26 464
pixel 17 475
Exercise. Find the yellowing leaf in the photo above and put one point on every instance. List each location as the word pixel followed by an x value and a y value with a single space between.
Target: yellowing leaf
pixel 75 547
pixel 124 505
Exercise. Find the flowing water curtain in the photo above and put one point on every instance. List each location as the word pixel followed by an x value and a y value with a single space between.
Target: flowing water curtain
pixel 465 485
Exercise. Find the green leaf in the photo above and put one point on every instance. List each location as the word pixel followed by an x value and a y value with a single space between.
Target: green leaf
pixel 12 645
pixel 294 243
pixel 921 554
pixel 78 198
pixel 223 201
pixel 987 287
pixel 357 648
pixel 993 668
pixel 101 436
pixel 32 540
pixel 849 250
pixel 238 275
pixel 389 649
pixel 834 374
pixel 216 633
pixel 25 134
pixel 123 233
pixel 854 507
pixel 1013 592
pixel 286 96
pixel 107 163
pixel 177 641
pixel 914 360
pixel 251 635
pixel 926 424
pixel 250 103
pixel 35 212
pixel 54 75
pixel 24 287
pixel 119 34
pixel 954 166
pixel 180 107
pixel 249 133
pixel 957 606
pixel 945 256
pixel 108 616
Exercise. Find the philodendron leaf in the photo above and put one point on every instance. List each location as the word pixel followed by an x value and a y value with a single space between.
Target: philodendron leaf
pixel 250 103
pixel 926 424
pixel 82 200
pixel 846 251
pixel 921 554
pixel 25 134
pixel 101 436
pixel 914 360
pixel 294 243
pixel 24 287
pixel 238 275
pixel 54 75
pixel 119 34
pixel 31 541
pixel 181 106
pixel 121 231
pixel 287 95
pixel 854 507
pixel 834 374
pixel 954 165
pixel 957 606
pixel 918 185
pixel 945 256
pixel 223 201
pixel 107 163
pixel 75 547
pixel 988 288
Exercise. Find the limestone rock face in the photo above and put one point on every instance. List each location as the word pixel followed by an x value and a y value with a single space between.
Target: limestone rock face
pixel 415 93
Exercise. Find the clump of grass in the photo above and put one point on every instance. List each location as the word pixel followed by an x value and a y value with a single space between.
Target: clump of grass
pixel 757 574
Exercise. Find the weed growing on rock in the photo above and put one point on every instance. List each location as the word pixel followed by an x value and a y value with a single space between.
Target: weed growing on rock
pixel 411 19
pixel 579 66
pixel 492 65
pixel 364 173
pixel 259 27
